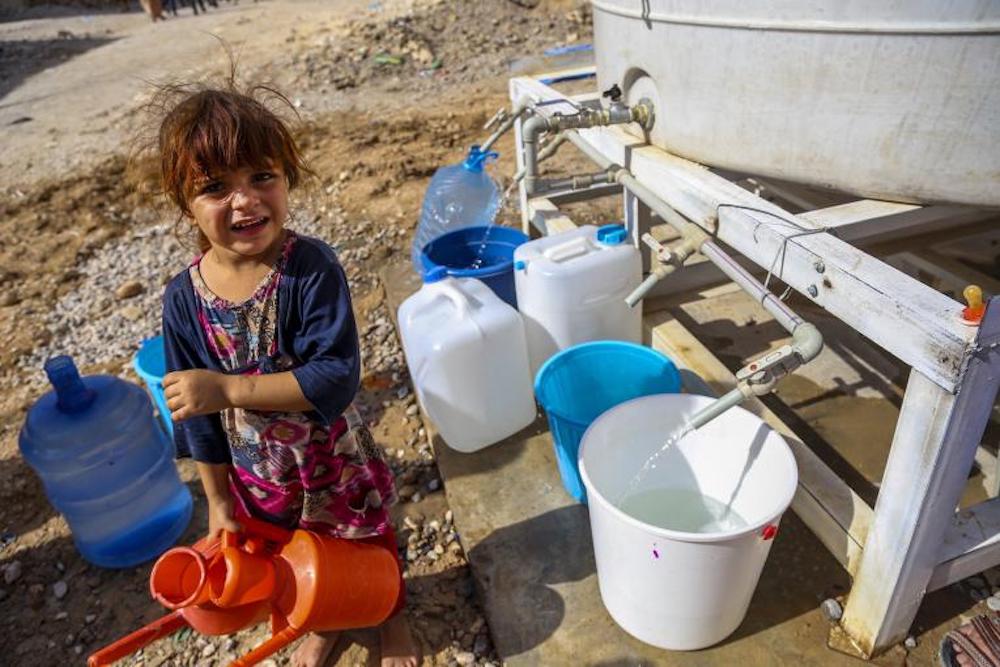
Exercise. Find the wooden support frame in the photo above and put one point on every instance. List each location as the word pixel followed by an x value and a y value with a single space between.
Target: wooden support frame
pixel 913 541
pixel 926 333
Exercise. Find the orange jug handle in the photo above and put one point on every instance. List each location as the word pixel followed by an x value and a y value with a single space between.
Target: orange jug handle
pixel 266 530
pixel 270 647
pixel 161 627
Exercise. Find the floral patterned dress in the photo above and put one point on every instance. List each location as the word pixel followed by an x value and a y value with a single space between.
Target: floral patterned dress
pixel 288 468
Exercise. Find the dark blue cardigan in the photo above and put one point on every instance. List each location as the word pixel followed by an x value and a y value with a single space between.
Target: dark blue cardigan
pixel 316 329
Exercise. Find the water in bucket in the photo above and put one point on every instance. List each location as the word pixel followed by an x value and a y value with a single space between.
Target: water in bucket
pixel 683 510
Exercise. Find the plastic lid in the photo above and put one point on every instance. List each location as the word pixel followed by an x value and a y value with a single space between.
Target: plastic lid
pixel 71 394
pixel 614 234
pixel 477 158
pixel 436 274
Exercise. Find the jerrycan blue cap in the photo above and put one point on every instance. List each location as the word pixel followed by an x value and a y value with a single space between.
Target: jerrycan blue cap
pixel 614 234
pixel 71 394
pixel 477 159
pixel 437 274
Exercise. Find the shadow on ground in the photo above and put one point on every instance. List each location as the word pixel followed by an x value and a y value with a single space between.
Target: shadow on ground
pixel 22 59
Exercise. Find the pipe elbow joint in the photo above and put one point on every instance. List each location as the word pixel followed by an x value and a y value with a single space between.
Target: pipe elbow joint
pixel 807 341
pixel 535 127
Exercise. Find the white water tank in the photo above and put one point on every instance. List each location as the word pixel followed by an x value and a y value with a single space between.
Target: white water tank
pixel 571 288
pixel 888 99
pixel 466 354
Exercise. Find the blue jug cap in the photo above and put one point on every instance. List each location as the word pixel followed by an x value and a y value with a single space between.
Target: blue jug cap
pixel 613 234
pixel 71 394
pixel 477 159
pixel 437 274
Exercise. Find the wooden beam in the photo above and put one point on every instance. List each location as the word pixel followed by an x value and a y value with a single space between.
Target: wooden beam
pixel 971 544
pixel 547 218
pixel 952 274
pixel 901 315
pixel 932 451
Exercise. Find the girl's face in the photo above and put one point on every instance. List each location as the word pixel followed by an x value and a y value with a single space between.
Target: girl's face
pixel 241 211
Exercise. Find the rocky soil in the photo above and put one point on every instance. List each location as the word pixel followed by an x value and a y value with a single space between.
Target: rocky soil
pixel 84 256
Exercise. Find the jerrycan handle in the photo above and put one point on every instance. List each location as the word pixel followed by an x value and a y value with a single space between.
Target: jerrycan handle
pixel 455 295
pixel 569 250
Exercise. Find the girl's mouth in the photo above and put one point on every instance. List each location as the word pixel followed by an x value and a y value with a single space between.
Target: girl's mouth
pixel 250 225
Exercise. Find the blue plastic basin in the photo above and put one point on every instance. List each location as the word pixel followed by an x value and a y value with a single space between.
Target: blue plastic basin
pixel 580 383
pixel 483 252
pixel 151 364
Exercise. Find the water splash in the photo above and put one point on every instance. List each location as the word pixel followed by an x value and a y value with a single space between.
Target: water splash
pixel 501 206
pixel 650 463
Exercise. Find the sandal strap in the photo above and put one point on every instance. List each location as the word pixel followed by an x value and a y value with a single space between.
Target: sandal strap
pixel 988 629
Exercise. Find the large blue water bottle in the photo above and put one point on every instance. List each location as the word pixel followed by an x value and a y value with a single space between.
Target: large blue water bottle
pixel 107 466
pixel 459 195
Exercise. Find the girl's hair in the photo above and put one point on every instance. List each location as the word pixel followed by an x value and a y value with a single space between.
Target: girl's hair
pixel 208 130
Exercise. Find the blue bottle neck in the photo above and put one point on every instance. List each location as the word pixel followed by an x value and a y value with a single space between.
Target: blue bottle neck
pixel 72 395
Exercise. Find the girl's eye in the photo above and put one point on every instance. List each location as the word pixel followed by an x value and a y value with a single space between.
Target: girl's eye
pixel 212 187
pixel 263 176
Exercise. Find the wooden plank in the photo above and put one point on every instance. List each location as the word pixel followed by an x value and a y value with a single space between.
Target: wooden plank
pixel 843 216
pixel 932 451
pixel 522 192
pixel 971 544
pixel 837 515
pixel 953 274
pixel 547 218
pixel 561 197
pixel 923 330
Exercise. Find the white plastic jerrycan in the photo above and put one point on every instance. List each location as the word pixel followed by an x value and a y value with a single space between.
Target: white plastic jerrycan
pixel 466 353
pixel 571 289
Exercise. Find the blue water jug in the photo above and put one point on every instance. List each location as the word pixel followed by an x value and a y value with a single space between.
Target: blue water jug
pixel 459 195
pixel 106 465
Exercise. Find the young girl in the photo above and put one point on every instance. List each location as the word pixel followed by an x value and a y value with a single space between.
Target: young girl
pixel 262 347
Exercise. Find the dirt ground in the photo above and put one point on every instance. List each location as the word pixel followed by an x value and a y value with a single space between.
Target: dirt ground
pixel 387 92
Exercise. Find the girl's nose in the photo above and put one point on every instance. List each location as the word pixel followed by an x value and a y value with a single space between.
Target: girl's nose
pixel 244 197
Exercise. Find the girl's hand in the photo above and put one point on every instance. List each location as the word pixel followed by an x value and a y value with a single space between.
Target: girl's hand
pixel 197 392
pixel 220 516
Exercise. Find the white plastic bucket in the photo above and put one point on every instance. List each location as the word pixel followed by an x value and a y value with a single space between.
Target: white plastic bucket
pixel 670 588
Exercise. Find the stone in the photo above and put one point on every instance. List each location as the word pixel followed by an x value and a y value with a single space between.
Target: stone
pixel 412 411
pixel 465 658
pixel 59 589
pixel 208 650
pixel 993 602
pixel 910 642
pixel 129 289
pixel 12 572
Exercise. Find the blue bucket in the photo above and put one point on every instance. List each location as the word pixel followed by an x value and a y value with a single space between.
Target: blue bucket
pixel 483 252
pixel 582 382
pixel 151 364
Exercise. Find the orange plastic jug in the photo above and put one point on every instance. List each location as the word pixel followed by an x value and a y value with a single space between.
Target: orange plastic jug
pixel 308 582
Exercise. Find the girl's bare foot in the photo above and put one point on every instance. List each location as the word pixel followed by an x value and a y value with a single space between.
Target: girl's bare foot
pixel 398 646
pixel 315 649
